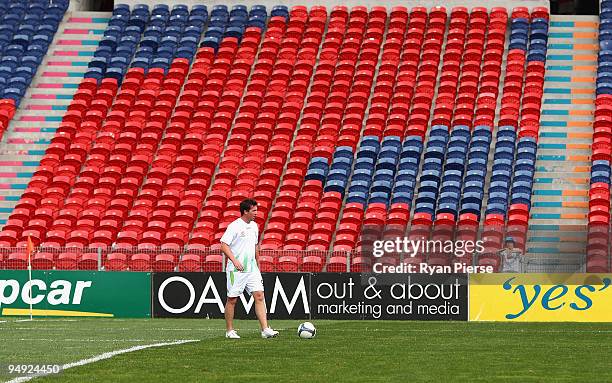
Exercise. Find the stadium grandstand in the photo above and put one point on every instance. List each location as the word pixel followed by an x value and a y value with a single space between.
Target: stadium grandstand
pixel 129 138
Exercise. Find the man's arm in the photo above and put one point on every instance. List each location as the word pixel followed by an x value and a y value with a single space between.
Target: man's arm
pixel 257 247
pixel 257 250
pixel 228 253
pixel 519 254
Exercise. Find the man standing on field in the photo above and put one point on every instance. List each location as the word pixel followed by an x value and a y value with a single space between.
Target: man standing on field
pixel 240 245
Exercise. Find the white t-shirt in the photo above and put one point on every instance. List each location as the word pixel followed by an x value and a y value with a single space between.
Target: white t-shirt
pixel 511 260
pixel 242 239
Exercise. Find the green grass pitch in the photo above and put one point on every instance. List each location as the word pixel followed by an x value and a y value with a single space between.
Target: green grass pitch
pixel 343 351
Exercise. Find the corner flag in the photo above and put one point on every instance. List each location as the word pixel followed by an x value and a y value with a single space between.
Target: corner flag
pixel 30 250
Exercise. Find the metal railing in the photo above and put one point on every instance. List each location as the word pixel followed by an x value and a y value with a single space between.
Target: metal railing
pixel 164 259
pixel 206 259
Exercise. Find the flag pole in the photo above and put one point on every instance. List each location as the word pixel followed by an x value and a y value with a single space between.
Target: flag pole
pixel 30 248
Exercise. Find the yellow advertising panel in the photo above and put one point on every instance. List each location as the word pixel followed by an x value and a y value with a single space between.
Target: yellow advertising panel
pixel 540 297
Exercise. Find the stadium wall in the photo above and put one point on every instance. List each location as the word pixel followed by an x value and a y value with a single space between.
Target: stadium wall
pixel 318 296
pixel 540 297
pixel 75 293
pixel 351 296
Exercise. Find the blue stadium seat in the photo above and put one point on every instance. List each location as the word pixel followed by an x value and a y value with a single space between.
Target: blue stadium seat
pixel 338 174
pixel 402 197
pixel 379 197
pixel 210 42
pixel 335 185
pixel 429 187
pixel 407 174
pixel 357 197
pixel 316 174
pixel 362 175
pixel 386 163
pixel 364 163
pixel 360 185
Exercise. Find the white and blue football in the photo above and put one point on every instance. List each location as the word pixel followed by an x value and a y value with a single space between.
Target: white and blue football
pixel 306 330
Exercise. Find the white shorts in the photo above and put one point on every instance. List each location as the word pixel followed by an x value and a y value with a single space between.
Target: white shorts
pixel 238 282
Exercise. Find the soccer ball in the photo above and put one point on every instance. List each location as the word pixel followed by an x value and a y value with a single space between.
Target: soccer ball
pixel 306 330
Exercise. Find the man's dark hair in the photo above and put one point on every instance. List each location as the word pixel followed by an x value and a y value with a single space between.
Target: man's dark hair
pixel 246 205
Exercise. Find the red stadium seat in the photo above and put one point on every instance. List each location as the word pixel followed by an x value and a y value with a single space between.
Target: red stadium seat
pixel 163 262
pixel 116 261
pixel 287 263
pixel 190 263
pixel 212 263
pixel 89 261
pixel 42 261
pixel 337 264
pixel 140 262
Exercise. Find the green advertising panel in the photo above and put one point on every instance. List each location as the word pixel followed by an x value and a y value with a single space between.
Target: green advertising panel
pixel 76 293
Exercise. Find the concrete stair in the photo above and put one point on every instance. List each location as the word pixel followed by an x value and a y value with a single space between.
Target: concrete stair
pixel 560 194
pixel 45 103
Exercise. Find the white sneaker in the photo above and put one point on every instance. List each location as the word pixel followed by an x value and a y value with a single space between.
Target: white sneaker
pixel 232 335
pixel 268 333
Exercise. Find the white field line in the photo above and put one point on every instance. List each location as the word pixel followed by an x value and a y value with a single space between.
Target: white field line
pixel 93 340
pixel 39 320
pixel 107 355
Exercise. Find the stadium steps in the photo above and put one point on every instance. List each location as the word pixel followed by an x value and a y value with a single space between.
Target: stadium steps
pixel 45 103
pixel 561 184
